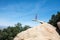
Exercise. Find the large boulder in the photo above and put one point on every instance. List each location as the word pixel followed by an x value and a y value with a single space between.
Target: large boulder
pixel 58 23
pixel 44 31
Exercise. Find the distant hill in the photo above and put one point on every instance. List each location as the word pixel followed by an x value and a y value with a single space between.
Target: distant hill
pixel 2 27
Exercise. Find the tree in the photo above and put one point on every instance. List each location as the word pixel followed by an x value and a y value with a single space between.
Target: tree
pixel 26 27
pixel 11 31
pixel 19 26
pixel 54 19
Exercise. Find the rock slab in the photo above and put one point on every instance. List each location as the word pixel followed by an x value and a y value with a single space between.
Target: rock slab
pixel 44 31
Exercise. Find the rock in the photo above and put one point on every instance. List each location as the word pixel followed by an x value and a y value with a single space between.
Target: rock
pixel 58 23
pixel 44 31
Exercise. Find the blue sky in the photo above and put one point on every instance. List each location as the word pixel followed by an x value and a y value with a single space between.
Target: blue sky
pixel 23 11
